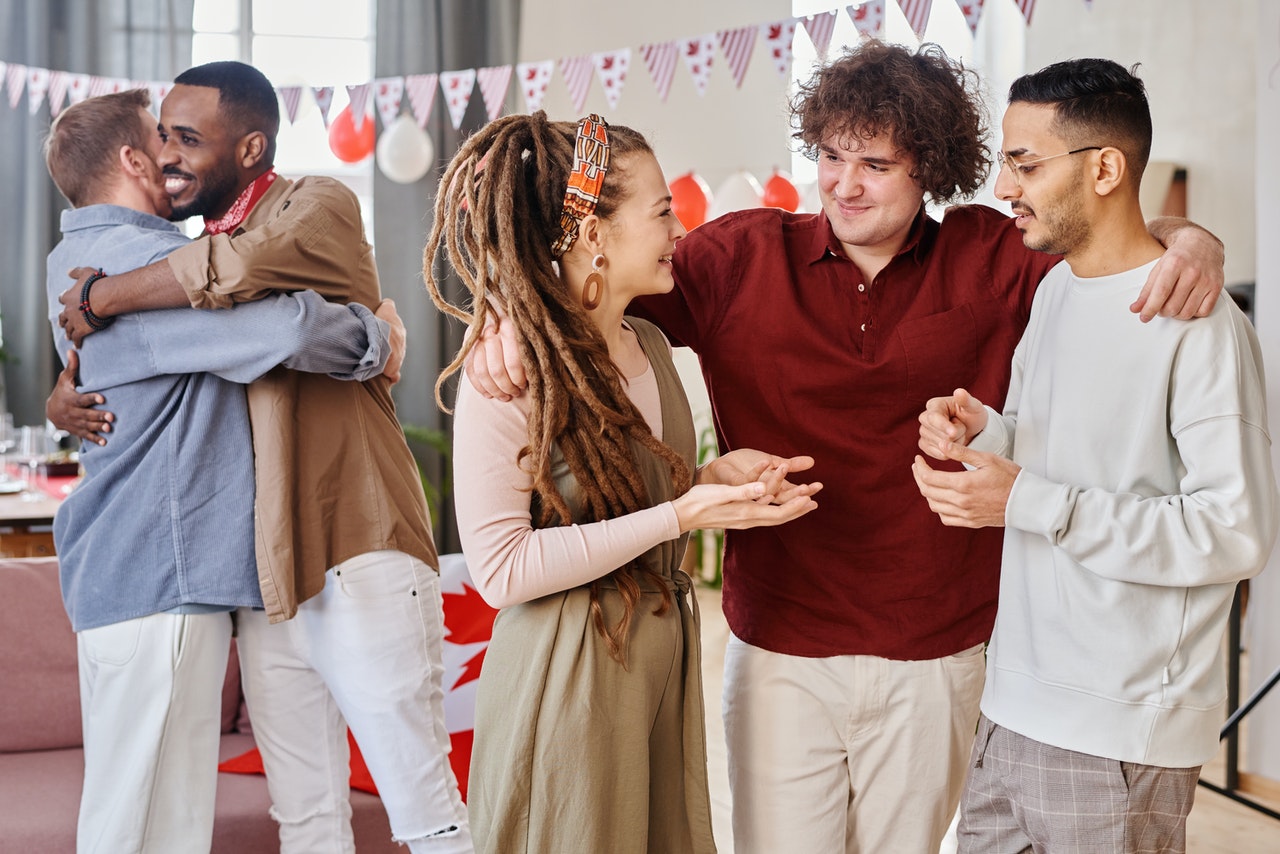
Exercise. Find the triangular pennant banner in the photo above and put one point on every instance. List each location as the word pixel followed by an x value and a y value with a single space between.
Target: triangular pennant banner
pixel 1026 7
pixel 917 13
pixel 422 95
pixel 778 37
pixel 15 77
pixel 99 86
pixel 387 94
pixel 494 81
pixel 611 68
pixel 359 96
pixel 972 11
pixel 158 91
pixel 324 100
pixel 58 91
pixel 457 87
pixel 291 97
pixel 699 55
pixel 868 18
pixel 533 78
pixel 820 27
pixel 737 45
pixel 78 86
pixel 37 86
pixel 576 71
pixel 660 59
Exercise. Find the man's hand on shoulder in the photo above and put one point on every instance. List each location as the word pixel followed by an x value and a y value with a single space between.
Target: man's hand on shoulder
pixel 1187 280
pixel 74 412
pixel 399 339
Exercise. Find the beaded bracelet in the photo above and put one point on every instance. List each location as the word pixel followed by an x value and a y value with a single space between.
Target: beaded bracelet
pixel 95 322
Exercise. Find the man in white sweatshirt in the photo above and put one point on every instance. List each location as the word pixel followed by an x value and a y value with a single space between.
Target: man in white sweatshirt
pixel 1132 506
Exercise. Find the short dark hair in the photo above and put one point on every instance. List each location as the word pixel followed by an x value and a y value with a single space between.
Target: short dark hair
pixel 84 140
pixel 246 99
pixel 1097 102
pixel 927 103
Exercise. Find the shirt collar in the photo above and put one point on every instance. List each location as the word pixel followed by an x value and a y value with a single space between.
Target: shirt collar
pixel 826 245
pixel 242 206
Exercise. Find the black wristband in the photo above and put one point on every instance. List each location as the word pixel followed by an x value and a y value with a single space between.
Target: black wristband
pixel 95 322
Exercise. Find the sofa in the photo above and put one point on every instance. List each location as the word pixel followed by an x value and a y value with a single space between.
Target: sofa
pixel 41 754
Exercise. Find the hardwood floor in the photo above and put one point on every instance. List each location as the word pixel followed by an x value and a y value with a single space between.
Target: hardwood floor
pixel 1217 825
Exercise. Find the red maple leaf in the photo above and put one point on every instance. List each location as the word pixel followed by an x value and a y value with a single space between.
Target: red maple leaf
pixel 606 63
pixel 467 617
pixel 470 670
pixel 531 74
pixel 692 47
pixel 775 32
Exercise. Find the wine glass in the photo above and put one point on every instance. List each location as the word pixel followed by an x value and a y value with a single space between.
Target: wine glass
pixel 8 440
pixel 33 449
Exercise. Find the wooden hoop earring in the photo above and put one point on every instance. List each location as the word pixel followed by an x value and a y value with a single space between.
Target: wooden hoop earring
pixel 593 287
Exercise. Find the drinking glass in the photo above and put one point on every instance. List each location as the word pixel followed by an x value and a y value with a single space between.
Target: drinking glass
pixel 32 450
pixel 8 440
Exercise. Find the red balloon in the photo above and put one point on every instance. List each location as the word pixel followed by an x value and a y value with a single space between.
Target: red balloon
pixel 780 192
pixel 690 198
pixel 347 143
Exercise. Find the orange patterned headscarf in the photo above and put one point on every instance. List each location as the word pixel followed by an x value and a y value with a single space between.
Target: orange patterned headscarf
pixel 590 165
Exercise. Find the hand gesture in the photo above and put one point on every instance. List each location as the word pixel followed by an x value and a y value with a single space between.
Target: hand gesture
pixel 72 411
pixel 968 499
pixel 1187 279
pixel 747 464
pixel 711 505
pixel 948 421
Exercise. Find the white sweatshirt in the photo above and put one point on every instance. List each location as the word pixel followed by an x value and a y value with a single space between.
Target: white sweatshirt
pixel 1146 494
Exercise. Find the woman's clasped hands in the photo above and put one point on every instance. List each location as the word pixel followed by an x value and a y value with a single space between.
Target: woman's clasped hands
pixel 747 489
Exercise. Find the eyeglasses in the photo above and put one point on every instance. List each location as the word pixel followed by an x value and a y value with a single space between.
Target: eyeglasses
pixel 1019 169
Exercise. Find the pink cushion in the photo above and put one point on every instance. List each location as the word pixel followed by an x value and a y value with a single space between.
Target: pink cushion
pixel 40 703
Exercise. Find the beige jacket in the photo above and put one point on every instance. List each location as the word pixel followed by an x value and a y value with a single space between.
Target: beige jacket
pixel 335 478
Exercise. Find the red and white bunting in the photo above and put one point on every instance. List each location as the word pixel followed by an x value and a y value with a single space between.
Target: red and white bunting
pixel 660 59
pixel 107 86
pixel 533 78
pixel 457 87
pixel 868 18
pixel 78 86
pixel 158 92
pixel 58 91
pixel 291 97
pixel 737 46
pixel 37 86
pixel 611 68
pixel 15 77
pixel 422 95
pixel 493 88
pixel 1026 7
pixel 359 96
pixel 699 55
pixel 778 37
pixel 917 12
pixel 387 94
pixel 576 71
pixel 972 11
pixel 820 27
pixel 324 100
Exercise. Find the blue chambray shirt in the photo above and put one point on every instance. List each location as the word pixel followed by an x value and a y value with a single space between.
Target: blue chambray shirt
pixel 164 515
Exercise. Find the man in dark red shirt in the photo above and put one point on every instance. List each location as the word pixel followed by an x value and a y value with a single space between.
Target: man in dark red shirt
pixel 853 675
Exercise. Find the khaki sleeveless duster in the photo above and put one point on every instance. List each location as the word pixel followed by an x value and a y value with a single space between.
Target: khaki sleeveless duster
pixel 572 752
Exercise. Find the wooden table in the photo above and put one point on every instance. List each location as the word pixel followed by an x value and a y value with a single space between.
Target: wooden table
pixel 26 527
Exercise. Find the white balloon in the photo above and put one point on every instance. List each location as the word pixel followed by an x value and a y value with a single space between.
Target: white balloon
pixel 739 191
pixel 810 201
pixel 404 150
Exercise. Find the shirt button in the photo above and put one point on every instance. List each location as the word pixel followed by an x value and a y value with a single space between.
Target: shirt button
pixel 864 327
pixel 861 288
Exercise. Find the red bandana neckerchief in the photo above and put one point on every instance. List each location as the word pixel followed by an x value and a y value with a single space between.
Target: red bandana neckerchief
pixel 242 206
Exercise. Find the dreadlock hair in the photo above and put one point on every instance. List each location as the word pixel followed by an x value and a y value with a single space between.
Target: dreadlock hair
pixel 497 214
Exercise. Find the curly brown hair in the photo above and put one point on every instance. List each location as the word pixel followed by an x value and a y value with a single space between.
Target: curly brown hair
pixel 927 103
pixel 497 214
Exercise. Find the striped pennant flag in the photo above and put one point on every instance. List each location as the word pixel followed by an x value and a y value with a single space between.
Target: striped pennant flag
pixel 388 92
pixel 533 78
pixel 324 100
pixel 78 87
pixel 493 88
pixel 359 95
pixel 457 87
pixel 778 37
pixel 699 55
pixel 576 71
pixel 737 45
pixel 15 77
pixel 917 12
pixel 820 27
pixel 291 97
pixel 58 91
pixel 660 59
pixel 611 68
pixel 868 18
pixel 1026 7
pixel 37 86
pixel 972 11
pixel 158 89
pixel 422 95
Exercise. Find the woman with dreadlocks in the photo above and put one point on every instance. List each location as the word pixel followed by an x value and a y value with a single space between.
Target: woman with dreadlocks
pixel 574 502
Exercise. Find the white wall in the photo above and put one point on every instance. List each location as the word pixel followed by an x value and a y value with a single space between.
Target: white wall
pixel 1262 742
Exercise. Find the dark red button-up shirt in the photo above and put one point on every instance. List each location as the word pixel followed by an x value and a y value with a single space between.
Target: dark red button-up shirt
pixel 801 356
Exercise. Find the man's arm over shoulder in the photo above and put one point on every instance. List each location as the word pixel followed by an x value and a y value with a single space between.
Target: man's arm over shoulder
pixel 315 241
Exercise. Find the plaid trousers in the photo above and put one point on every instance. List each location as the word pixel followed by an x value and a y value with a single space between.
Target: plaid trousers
pixel 1025 796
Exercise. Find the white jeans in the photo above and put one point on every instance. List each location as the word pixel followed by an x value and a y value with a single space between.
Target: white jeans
pixel 150 700
pixel 365 653
pixel 850 753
